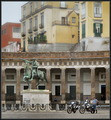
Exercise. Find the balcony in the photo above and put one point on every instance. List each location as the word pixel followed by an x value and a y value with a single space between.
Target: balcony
pixel 41 26
pixel 23 34
pixel 60 22
pixel 29 31
pixel 35 28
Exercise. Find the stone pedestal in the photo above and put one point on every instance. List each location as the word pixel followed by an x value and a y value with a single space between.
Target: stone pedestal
pixel 34 96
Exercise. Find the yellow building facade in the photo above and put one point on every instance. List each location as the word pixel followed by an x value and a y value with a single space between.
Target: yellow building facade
pixel 94 12
pixel 56 20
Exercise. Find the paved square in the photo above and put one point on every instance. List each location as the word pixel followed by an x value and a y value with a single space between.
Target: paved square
pixel 102 114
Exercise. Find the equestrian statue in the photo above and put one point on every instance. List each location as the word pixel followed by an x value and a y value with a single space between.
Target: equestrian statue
pixel 31 72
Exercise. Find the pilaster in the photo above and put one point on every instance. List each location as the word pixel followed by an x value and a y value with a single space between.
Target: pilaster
pixel 107 85
pixel 63 84
pixel 18 82
pixel 78 84
pixel 3 85
pixel 93 86
pixel 48 76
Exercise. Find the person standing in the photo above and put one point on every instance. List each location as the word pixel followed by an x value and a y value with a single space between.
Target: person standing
pixel 94 102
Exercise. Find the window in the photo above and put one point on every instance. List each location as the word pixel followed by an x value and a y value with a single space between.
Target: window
pixel 4 31
pixel 73 19
pixel 25 87
pixel 30 24
pixel 97 29
pixel 63 4
pixel 83 10
pixel 42 4
pixel 57 76
pixel 102 76
pixel 30 7
pixel 71 77
pixel 83 30
pixel 36 21
pixel 57 90
pixel 41 87
pixel 16 30
pixel 10 77
pixel 36 5
pixel 63 20
pixel 72 36
pixel 97 9
pixel 42 19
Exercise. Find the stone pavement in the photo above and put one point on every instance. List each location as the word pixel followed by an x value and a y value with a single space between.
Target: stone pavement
pixel 102 114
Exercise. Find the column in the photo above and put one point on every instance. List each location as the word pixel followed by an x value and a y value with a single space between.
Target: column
pixel 48 76
pixel 107 85
pixel 63 84
pixel 78 84
pixel 18 81
pixel 3 85
pixel 93 87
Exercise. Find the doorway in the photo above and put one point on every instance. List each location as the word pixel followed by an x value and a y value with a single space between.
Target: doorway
pixel 57 90
pixel 10 93
pixel 72 92
pixel 103 92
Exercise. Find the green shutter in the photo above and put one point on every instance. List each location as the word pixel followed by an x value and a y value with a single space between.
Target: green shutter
pixel 94 27
pixel 83 30
pixel 101 28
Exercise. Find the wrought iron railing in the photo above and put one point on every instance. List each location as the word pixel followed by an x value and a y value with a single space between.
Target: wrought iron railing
pixel 43 107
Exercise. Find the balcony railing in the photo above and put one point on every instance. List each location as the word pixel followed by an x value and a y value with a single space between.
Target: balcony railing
pixel 60 22
pixel 23 34
pixel 41 26
pixel 35 28
pixel 29 31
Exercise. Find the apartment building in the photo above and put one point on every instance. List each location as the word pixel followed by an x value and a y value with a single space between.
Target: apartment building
pixel 94 25
pixel 57 21
pixel 11 37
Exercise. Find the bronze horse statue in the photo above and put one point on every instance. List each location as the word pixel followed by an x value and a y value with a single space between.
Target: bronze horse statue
pixel 31 73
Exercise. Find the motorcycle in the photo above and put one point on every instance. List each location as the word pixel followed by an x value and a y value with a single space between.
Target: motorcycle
pixel 87 107
pixel 73 107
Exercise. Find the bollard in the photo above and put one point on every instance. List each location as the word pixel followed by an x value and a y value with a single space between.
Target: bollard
pixel 57 107
pixel 65 107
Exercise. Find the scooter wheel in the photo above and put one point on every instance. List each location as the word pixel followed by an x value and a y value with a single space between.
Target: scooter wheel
pixel 69 110
pixel 92 111
pixel 82 110
pixel 74 111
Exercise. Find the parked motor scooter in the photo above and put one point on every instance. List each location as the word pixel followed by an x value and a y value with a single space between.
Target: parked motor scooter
pixel 73 107
pixel 87 107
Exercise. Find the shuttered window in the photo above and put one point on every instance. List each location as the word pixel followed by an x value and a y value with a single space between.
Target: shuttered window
pixel 42 19
pixel 83 30
pixel 83 10
pixel 97 29
pixel 97 9
pixel 63 4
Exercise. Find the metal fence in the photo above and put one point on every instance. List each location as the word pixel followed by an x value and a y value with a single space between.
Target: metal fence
pixel 38 107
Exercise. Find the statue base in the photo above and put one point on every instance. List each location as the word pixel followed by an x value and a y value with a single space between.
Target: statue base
pixel 34 96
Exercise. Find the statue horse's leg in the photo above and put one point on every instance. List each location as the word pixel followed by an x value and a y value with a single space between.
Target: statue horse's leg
pixel 45 77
